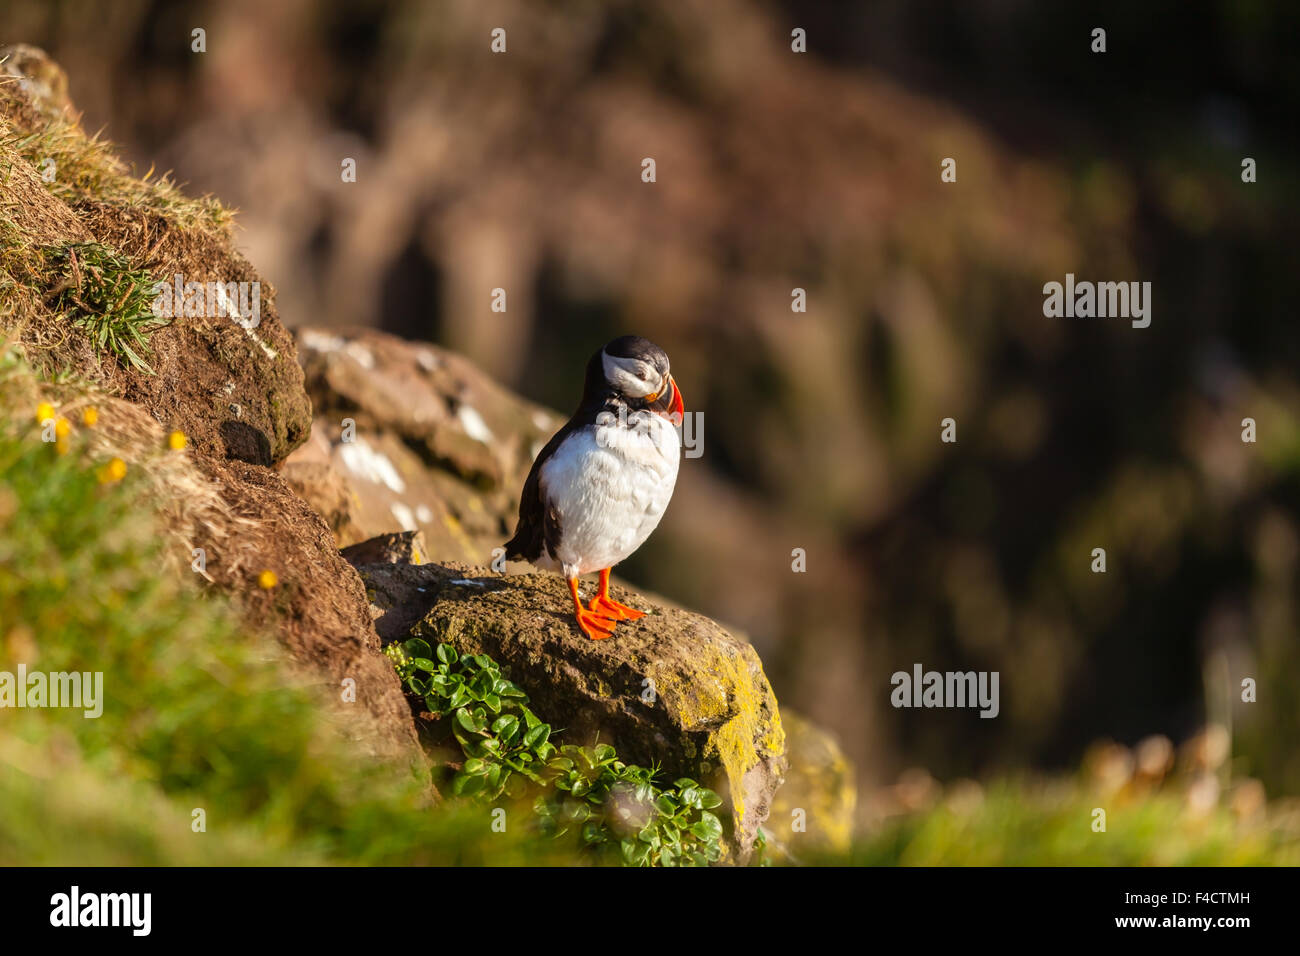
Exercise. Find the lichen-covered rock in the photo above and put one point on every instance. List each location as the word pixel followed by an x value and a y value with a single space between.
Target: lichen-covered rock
pixel 672 689
pixel 423 439
pixel 821 783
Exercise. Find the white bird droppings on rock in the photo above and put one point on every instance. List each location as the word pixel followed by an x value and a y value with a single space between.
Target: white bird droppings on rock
pixel 404 516
pixel 364 462
pixel 319 341
pixel 474 425
pixel 359 354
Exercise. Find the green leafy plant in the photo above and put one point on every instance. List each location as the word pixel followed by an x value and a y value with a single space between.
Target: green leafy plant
pixel 504 742
pixel 102 294
pixel 615 807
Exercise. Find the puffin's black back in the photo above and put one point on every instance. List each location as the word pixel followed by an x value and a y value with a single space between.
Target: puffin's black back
pixel 539 527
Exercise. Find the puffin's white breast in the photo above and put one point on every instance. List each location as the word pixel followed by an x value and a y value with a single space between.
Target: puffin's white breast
pixel 610 484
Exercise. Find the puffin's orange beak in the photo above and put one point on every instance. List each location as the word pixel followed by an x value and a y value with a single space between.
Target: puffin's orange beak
pixel 678 408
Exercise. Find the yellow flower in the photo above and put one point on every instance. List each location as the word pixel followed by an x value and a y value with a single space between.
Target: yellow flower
pixel 62 428
pixel 44 411
pixel 177 440
pixel 267 580
pixel 61 446
pixel 90 416
pixel 115 470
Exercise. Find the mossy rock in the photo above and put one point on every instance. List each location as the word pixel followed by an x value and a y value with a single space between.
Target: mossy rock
pixel 820 782
pixel 673 689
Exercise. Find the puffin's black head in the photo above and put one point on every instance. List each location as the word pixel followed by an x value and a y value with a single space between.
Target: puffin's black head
pixel 635 371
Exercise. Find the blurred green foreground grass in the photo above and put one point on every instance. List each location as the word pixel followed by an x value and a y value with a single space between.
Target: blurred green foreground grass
pixel 201 714
pixel 1021 823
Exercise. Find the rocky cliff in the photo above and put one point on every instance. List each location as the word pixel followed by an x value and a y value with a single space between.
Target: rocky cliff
pixel 288 447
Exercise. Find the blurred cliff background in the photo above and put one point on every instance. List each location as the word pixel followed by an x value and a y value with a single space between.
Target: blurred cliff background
pixel 778 170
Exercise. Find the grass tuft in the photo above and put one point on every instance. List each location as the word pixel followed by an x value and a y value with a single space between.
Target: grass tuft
pixel 100 292
pixel 87 167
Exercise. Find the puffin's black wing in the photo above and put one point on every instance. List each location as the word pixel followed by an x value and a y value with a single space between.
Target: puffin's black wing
pixel 539 523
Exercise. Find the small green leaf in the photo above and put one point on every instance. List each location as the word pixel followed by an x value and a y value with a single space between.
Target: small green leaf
pixel 417 647
pixel 708 827
pixel 447 654
pixel 467 784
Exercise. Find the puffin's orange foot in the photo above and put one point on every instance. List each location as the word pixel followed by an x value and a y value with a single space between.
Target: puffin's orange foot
pixel 594 625
pixel 605 605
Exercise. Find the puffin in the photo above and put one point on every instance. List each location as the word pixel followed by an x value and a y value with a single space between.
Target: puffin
pixel 598 488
